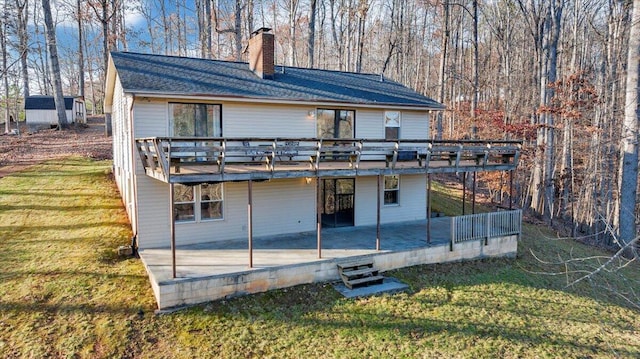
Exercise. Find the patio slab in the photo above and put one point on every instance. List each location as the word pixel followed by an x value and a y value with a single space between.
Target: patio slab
pixel 216 270
pixel 223 257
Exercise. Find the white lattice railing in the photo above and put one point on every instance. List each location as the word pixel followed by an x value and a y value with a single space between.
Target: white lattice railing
pixel 485 225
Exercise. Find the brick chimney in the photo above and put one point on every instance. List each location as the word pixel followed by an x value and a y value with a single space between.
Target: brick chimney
pixel 261 53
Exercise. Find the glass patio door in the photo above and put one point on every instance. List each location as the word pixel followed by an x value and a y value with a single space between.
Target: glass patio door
pixel 337 207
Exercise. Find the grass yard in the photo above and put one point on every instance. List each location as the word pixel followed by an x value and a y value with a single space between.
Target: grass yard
pixel 63 293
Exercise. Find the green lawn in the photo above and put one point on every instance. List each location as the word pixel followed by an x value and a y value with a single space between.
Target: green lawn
pixel 63 293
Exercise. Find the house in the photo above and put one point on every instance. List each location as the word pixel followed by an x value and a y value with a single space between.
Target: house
pixel 210 151
pixel 40 111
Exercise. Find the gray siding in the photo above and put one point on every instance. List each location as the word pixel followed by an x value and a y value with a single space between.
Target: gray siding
pixel 414 125
pixel 412 204
pixel 270 121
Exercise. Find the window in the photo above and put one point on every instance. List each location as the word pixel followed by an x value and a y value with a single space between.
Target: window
pixel 391 189
pixel 211 201
pixel 194 120
pixel 391 125
pixel 335 123
pixel 184 203
pixel 197 203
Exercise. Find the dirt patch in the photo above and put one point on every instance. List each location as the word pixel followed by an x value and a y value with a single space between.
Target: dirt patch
pixel 18 152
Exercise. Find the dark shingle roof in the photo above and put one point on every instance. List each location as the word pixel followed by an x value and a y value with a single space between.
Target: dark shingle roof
pixel 45 103
pixel 144 73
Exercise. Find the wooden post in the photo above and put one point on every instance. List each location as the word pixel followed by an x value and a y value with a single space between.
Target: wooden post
pixel 172 229
pixel 318 218
pixel 473 198
pixel 378 213
pixel 250 221
pixel 511 189
pixel 429 208
pixel 172 219
pixel 453 233
pixel 464 190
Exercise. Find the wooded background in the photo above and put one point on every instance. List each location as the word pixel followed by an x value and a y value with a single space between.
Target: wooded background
pixel 552 73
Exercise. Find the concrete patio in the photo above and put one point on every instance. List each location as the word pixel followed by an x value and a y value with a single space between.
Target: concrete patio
pixel 215 270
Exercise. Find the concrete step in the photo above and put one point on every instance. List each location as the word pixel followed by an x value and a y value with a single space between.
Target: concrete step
pixel 389 286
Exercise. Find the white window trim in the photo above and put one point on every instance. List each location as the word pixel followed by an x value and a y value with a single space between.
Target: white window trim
pixel 197 209
pixel 393 125
pixel 169 113
pixel 384 190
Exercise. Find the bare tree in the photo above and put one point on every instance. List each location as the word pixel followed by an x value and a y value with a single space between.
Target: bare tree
pixel 22 17
pixel 55 65
pixel 5 67
pixel 236 29
pixel 311 40
pixel 204 27
pixel 443 64
pixel 80 18
pixel 105 11
pixel 628 172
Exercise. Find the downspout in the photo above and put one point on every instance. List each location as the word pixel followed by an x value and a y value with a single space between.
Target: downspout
pixel 134 238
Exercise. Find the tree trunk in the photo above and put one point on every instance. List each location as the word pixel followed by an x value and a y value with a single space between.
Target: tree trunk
pixel 80 50
pixel 55 65
pixel 22 10
pixel 238 30
pixel 293 10
pixel 312 33
pixel 443 66
pixel 474 99
pixel 5 67
pixel 628 172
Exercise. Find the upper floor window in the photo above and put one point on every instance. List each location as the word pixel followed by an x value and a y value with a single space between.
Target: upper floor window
pixel 336 123
pixel 194 120
pixel 392 125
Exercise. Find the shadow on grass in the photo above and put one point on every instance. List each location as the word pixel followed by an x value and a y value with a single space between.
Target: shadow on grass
pixel 85 308
pixel 53 193
pixel 56 208
pixel 53 274
pixel 415 328
pixel 63 226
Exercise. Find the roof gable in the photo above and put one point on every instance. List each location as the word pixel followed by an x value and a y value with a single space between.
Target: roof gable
pixel 46 103
pixel 170 75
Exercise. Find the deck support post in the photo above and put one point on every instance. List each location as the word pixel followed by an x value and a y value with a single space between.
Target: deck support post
pixel 318 217
pixel 378 212
pixel 464 191
pixel 172 230
pixel 511 189
pixel 429 208
pixel 473 198
pixel 250 220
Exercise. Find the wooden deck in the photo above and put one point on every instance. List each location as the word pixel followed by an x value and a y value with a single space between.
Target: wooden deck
pixel 197 160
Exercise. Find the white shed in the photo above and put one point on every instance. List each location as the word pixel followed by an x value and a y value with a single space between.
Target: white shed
pixel 40 111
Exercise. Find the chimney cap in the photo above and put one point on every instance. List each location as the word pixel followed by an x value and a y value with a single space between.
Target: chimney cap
pixel 260 31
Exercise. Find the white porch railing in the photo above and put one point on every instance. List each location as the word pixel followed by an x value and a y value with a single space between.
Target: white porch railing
pixel 485 225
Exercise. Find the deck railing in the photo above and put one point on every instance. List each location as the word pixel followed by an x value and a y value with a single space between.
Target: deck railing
pixel 161 155
pixel 483 226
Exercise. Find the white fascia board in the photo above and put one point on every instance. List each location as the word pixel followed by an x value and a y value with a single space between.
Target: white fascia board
pixel 336 104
